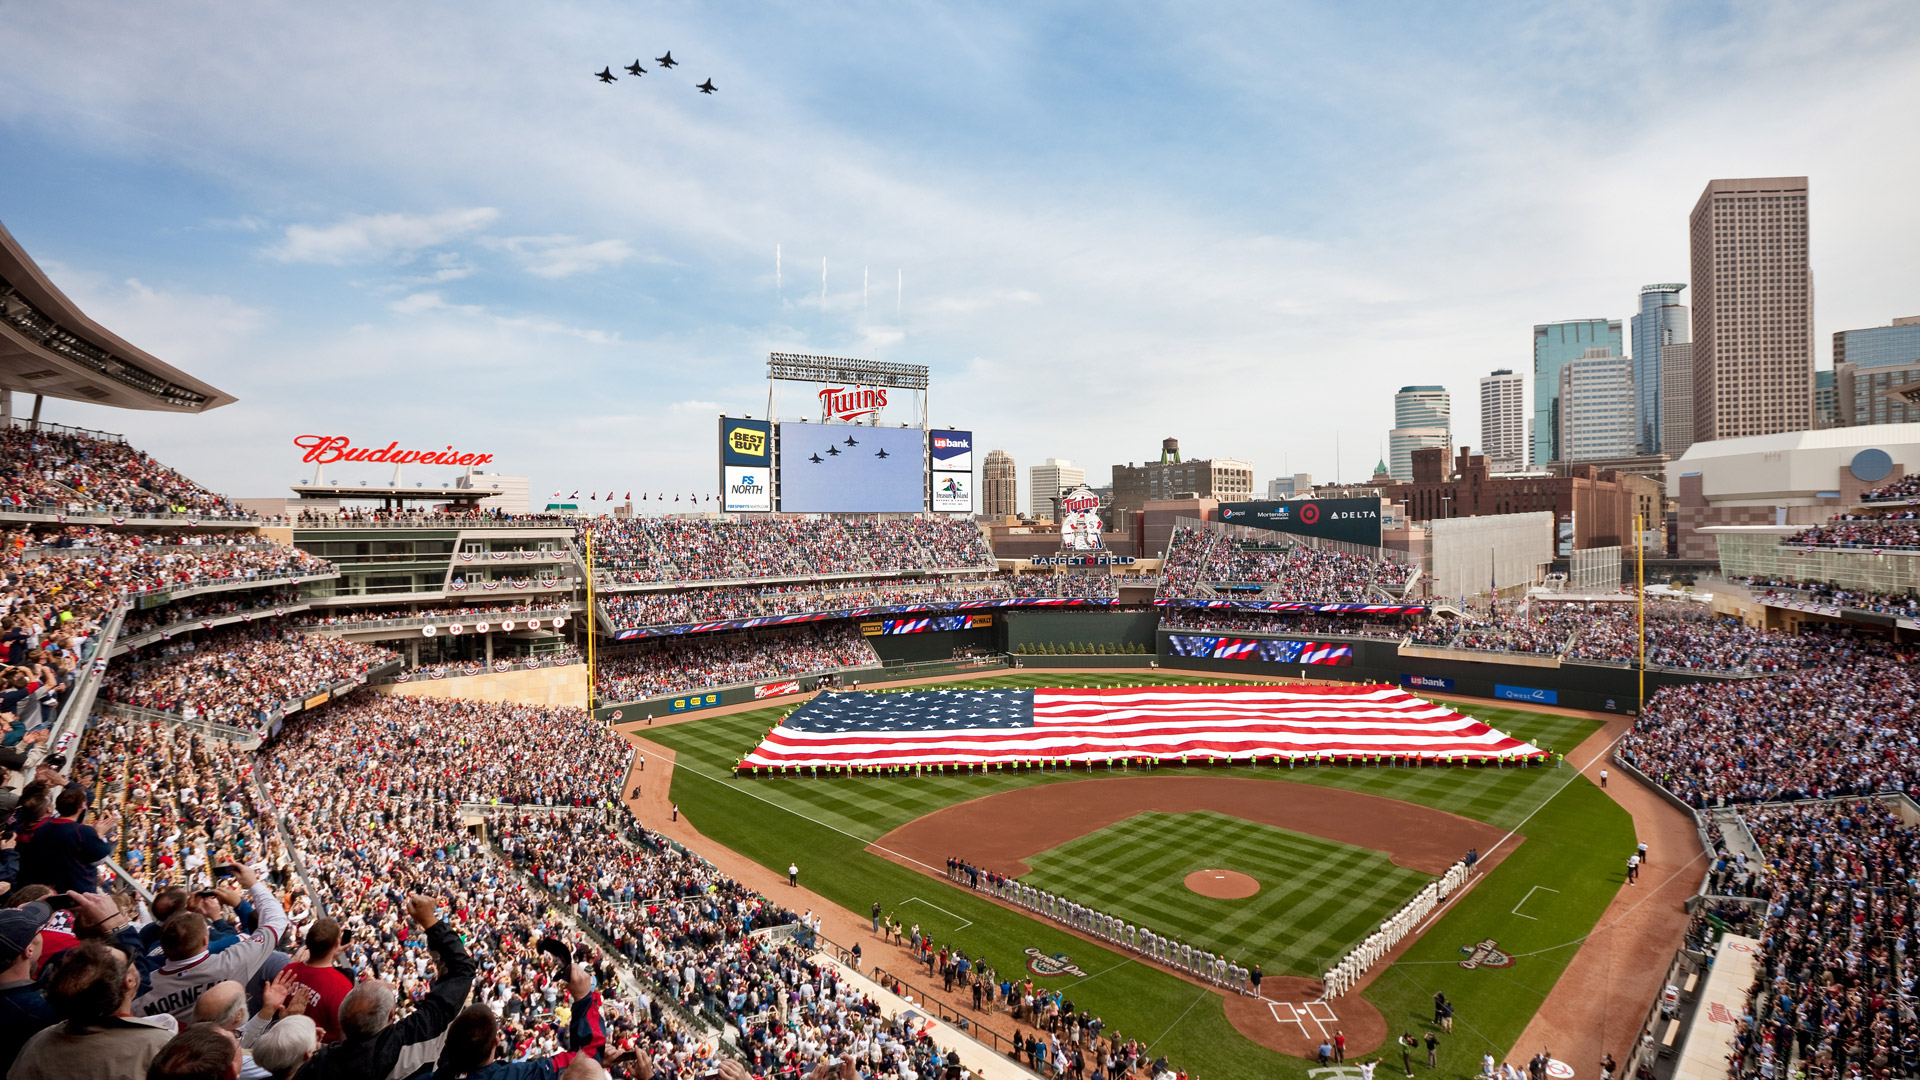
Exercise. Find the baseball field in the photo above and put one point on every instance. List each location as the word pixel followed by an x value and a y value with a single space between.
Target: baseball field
pixel 1331 852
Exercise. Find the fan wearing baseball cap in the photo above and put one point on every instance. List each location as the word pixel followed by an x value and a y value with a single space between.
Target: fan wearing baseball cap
pixel 23 1008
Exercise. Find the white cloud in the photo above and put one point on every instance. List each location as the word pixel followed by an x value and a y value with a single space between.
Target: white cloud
pixel 565 256
pixel 432 302
pixel 360 238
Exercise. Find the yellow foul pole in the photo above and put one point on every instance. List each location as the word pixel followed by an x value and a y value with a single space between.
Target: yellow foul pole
pixel 1640 582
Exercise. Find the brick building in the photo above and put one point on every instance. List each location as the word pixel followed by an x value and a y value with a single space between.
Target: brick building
pixel 1602 502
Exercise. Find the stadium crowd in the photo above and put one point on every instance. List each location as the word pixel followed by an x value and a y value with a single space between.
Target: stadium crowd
pixel 1094 586
pixel 659 549
pixel 1196 558
pixel 1833 596
pixel 73 471
pixel 628 610
pixel 1277 622
pixel 354 616
pixel 1842 724
pixel 682 664
pixel 1682 635
pixel 1838 949
pixel 1907 487
pixel 185 613
pixel 232 675
pixel 1888 529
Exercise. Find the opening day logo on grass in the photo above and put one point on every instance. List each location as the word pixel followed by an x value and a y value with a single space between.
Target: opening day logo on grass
pixel 1485 954
pixel 1048 967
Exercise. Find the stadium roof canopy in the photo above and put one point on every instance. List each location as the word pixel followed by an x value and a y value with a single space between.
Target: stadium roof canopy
pixel 50 348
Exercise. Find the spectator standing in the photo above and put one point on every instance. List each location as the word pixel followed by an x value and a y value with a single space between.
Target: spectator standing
pixel 190 969
pixel 62 852
pixel 23 1008
pixel 375 1045
pixel 327 985
pixel 98 1036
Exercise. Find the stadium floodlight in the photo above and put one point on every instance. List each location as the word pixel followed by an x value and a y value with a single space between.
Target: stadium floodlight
pixel 796 367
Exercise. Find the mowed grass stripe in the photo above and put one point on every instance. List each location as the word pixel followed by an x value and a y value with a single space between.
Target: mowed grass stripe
pixel 1317 897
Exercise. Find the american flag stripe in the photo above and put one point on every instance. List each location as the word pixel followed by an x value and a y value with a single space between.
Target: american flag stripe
pixel 1162 723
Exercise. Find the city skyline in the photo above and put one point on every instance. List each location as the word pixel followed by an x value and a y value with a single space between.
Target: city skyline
pixel 345 230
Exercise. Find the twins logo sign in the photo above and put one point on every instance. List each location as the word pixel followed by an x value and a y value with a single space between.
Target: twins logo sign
pixel 1051 966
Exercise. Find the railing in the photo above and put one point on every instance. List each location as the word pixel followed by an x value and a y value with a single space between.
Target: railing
pixel 294 855
pixel 603 578
pixel 411 622
pixel 926 1002
pixel 147 637
pixel 247 738
pixel 438 672
pixel 73 717
pixel 111 516
pixel 27 424
pixel 195 588
pixel 440 523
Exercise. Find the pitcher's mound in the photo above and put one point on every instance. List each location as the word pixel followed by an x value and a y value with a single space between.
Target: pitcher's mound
pixel 1222 884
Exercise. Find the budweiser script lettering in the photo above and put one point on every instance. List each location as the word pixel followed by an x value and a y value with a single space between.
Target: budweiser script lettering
pixel 327 449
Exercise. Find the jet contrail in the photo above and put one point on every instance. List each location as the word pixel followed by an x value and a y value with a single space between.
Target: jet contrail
pixel 899 289
pixel 776 268
pixel 823 279
pixel 863 291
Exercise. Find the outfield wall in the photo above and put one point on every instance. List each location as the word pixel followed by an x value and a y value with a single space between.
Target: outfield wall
pixel 1570 684
pixel 1097 627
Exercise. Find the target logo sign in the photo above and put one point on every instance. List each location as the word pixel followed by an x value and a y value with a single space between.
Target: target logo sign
pixel 1309 514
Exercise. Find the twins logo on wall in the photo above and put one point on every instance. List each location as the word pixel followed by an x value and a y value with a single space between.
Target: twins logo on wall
pixel 1080 521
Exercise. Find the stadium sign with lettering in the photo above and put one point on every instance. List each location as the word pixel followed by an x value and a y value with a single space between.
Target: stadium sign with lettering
pixel 952 450
pixel 1080 560
pixel 327 449
pixel 953 493
pixel 849 403
pixel 1426 682
pixel 747 490
pixel 746 442
pixel 1352 521
pixel 1080 520
pixel 1526 693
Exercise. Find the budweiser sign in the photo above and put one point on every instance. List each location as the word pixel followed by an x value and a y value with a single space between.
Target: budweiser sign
pixel 327 449
pixel 848 403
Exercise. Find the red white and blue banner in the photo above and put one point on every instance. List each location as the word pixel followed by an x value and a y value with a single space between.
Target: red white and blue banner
pixel 635 633
pixel 1270 650
pixel 925 624
pixel 1296 607
pixel 1162 723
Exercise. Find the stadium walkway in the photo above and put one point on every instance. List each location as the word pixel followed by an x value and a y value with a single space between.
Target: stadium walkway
pixel 1597 1005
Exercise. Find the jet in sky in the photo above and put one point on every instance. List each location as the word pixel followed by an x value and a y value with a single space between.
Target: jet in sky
pixel 882 453
pixel 815 459
pixel 708 87
pixel 635 68
pixel 833 451
pixel 606 74
pixel 851 441
pixel 666 61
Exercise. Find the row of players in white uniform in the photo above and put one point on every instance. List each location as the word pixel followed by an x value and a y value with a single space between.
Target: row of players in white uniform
pixel 1199 963
pixel 1345 974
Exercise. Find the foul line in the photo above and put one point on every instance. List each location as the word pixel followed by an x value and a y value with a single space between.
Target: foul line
pixel 1183 1016
pixel 964 923
pixel 1529 896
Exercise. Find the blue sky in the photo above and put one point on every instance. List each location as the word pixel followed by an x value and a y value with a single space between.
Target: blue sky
pixel 1243 226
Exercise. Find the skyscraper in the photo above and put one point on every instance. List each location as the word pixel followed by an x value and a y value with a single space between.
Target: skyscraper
pixel 1676 398
pixel 1752 309
pixel 1596 406
pixel 1000 485
pixel 1553 345
pixel 1422 416
pixel 1869 367
pixel 1503 420
pixel 1662 321
pixel 1048 482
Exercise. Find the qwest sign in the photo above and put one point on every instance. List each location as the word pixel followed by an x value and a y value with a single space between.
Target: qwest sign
pixel 849 402
pixel 327 449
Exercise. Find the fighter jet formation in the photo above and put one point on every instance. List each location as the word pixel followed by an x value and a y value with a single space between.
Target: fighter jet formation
pixel 634 70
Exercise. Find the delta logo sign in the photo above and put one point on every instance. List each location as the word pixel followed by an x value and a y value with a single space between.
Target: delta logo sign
pixel 850 402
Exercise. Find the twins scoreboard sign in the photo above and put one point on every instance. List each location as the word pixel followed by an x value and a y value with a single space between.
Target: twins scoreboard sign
pixel 1353 521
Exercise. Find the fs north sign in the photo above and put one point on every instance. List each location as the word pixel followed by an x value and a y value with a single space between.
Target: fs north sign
pixel 850 403
pixel 327 449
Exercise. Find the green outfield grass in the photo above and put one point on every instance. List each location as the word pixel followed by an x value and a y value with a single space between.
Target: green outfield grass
pixel 1576 842
pixel 1317 898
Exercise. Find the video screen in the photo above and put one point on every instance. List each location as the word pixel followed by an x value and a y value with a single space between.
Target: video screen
pixel 846 469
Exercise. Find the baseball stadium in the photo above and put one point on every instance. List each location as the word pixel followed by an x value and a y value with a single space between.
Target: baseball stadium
pixel 824 765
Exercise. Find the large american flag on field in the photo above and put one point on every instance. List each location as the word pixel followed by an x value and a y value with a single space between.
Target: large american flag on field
pixel 1166 723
